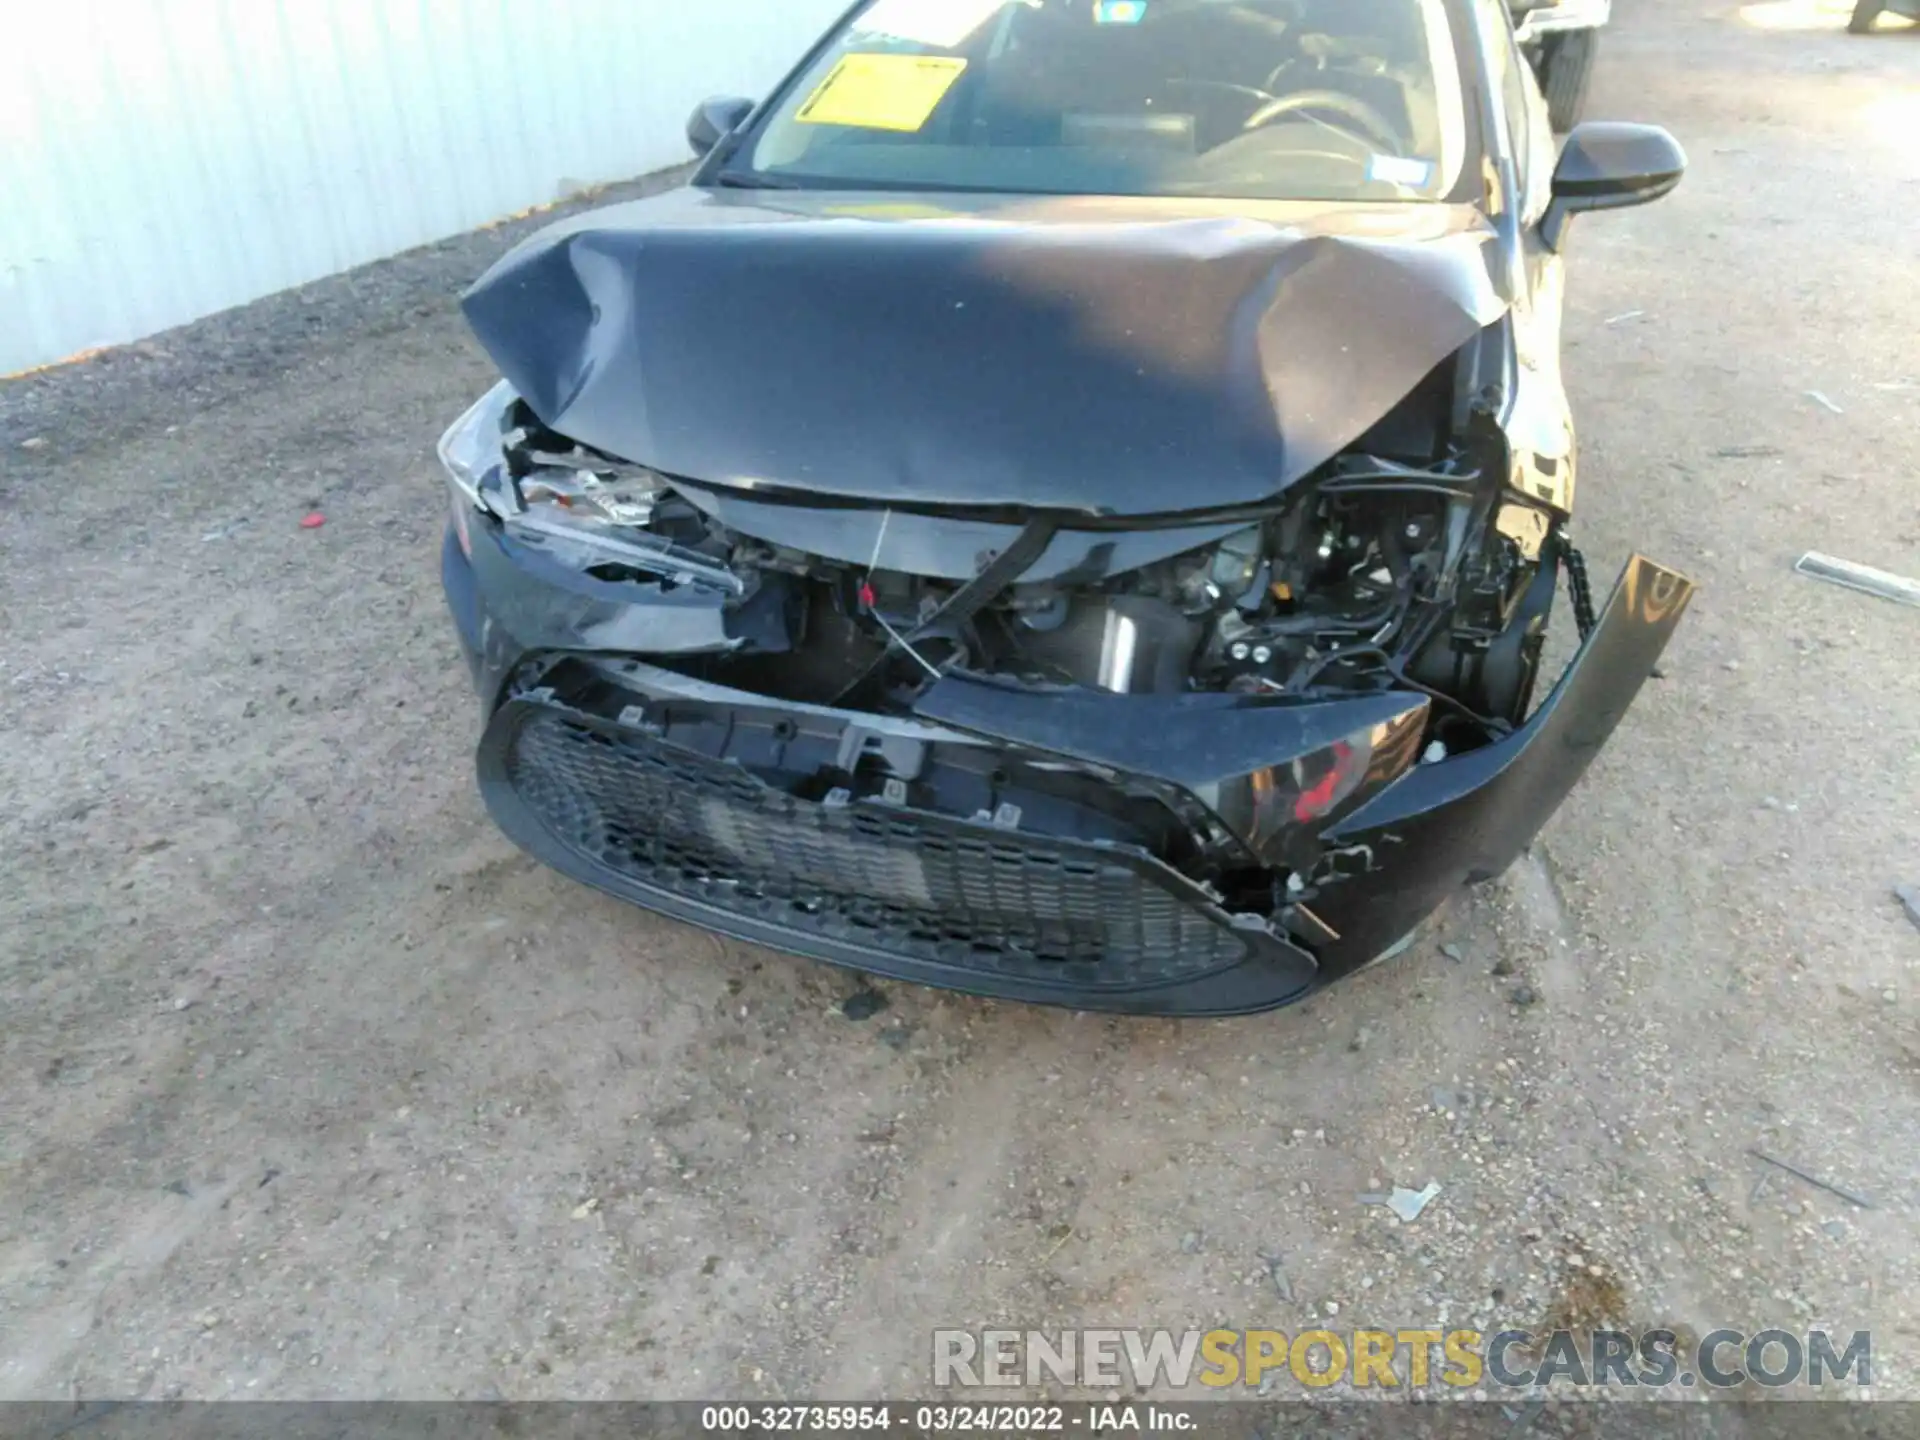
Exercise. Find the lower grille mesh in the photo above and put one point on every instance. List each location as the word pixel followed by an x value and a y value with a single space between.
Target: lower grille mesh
pixel 1013 905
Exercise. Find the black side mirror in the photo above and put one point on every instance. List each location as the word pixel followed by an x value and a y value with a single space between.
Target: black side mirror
pixel 713 120
pixel 1609 165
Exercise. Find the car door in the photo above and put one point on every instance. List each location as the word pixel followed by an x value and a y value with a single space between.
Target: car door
pixel 1539 425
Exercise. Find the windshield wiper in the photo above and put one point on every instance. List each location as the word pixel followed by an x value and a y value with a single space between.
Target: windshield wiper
pixel 752 180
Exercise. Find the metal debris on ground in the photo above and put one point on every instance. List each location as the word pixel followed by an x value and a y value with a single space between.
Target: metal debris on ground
pixel 1819 399
pixel 1814 1180
pixel 1629 315
pixel 1520 1419
pixel 1407 1204
pixel 1909 898
pixel 1453 952
pixel 863 1004
pixel 1863 578
pixel 1747 452
pixel 1277 1273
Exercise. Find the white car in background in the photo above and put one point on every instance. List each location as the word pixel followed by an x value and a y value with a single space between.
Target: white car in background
pixel 1561 38
pixel 1867 12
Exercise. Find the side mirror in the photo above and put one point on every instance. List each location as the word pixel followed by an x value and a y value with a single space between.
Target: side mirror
pixel 1608 165
pixel 713 120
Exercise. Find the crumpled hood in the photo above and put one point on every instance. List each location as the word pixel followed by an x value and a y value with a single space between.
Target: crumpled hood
pixel 1119 357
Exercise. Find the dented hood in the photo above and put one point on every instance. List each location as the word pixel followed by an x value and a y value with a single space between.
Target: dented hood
pixel 1117 357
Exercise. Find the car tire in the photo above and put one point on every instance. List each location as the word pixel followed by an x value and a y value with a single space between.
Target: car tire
pixel 1864 14
pixel 1567 74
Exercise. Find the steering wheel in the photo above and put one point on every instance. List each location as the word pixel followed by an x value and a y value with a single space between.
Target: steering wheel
pixel 1367 123
pixel 1251 93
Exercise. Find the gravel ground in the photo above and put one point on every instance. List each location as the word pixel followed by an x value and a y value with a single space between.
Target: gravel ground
pixel 313 1087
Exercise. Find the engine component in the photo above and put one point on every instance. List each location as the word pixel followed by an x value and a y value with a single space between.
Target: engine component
pixel 1127 644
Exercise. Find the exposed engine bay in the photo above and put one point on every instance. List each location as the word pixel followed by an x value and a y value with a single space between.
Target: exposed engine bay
pixel 1375 575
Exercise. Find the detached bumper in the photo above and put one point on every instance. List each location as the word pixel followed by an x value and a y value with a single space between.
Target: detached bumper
pixel 1468 819
pixel 648 785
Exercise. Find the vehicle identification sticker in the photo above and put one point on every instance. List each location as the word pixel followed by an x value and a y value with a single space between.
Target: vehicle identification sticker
pixel 1399 170
pixel 1119 12
pixel 881 92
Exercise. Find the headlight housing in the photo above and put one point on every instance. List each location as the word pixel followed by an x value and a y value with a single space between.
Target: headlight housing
pixel 1280 811
pixel 474 458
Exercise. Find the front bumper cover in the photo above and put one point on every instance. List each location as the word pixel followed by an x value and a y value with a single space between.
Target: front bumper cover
pixel 611 774
pixel 966 904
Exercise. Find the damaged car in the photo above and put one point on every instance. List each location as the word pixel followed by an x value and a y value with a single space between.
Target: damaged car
pixel 1067 504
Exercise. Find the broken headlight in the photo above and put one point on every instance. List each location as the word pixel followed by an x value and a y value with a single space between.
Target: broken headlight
pixel 584 502
pixel 586 511
pixel 555 495
pixel 1281 810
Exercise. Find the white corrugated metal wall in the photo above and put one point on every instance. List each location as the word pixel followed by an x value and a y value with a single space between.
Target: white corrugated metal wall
pixel 164 159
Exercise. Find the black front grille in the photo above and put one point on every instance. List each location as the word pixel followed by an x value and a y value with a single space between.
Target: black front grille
pixel 1005 903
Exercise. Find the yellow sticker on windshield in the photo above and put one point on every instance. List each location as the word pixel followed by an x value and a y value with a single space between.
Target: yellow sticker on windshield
pixel 881 92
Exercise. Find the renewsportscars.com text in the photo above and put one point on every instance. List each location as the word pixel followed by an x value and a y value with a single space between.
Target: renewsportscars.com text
pixel 1392 1359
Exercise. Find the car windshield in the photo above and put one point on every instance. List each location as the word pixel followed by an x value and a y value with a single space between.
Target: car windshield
pixel 1253 99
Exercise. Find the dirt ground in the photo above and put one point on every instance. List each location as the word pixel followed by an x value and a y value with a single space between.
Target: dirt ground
pixel 311 1086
